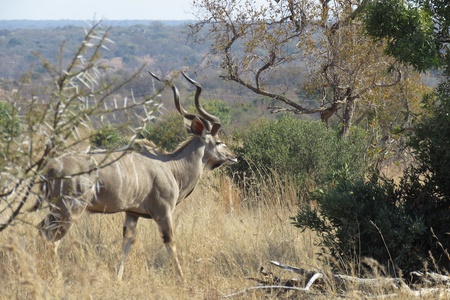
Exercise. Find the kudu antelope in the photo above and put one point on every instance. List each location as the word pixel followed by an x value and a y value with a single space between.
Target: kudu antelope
pixel 146 184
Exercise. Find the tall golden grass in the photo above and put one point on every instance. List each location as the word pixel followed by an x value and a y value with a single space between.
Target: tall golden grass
pixel 223 235
pixel 220 240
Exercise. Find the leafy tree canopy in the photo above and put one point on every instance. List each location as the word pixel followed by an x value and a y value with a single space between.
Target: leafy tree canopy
pixel 417 32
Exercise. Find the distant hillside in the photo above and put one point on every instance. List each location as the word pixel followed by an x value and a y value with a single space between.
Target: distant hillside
pixel 163 43
pixel 34 24
pixel 161 46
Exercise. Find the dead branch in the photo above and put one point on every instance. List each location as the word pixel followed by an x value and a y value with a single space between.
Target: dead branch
pixel 430 277
pixel 268 287
pixel 315 282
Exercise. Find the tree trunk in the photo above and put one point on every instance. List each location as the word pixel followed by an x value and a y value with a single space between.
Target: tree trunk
pixel 347 117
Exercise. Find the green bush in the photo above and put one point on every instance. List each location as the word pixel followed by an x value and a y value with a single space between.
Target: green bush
pixel 365 218
pixel 425 186
pixel 220 109
pixel 108 137
pixel 403 226
pixel 306 151
pixel 431 139
pixel 167 133
pixel 10 125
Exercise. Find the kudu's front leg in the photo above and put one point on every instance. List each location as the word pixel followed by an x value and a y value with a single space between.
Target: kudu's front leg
pixel 165 225
pixel 129 237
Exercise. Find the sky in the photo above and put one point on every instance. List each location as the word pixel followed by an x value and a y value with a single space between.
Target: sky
pixel 96 10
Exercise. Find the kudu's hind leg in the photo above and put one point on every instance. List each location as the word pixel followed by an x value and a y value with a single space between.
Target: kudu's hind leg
pixel 129 237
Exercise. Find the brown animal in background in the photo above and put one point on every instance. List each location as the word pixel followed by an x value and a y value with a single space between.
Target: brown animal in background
pixel 147 184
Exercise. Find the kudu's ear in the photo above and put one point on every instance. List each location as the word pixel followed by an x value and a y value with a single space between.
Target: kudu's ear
pixel 198 128
pixel 187 125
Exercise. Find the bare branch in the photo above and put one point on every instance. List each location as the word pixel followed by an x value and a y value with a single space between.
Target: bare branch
pixel 375 85
pixel 255 43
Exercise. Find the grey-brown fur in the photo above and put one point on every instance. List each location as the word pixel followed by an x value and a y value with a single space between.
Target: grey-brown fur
pixel 140 183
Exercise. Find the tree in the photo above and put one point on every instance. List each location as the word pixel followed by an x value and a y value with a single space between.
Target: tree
pixel 325 37
pixel 379 218
pixel 416 32
pixel 384 220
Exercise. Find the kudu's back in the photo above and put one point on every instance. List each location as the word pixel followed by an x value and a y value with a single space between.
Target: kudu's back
pixel 108 182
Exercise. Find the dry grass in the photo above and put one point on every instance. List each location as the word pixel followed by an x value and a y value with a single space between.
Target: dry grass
pixel 219 242
pixel 222 234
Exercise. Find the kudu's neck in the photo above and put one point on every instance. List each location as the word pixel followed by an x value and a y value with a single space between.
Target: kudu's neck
pixel 187 165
